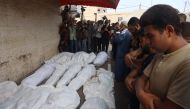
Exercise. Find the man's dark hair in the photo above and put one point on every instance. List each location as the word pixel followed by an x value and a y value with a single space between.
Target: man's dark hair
pixel 140 33
pixel 133 21
pixel 161 15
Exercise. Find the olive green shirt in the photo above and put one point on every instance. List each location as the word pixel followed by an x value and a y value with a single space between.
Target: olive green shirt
pixel 169 76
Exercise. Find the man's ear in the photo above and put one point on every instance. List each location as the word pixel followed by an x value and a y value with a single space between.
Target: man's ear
pixel 170 30
pixel 138 27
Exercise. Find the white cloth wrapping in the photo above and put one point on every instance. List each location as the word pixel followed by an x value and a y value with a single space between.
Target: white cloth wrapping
pixel 66 56
pixel 91 58
pixel 64 97
pixel 102 87
pixel 85 74
pixel 95 103
pixel 11 102
pixel 69 75
pixel 7 89
pixel 26 98
pixel 58 58
pixel 54 58
pixel 101 58
pixel 42 97
pixel 33 99
pixel 69 58
pixel 44 72
pixel 50 106
pixel 80 57
pixel 57 74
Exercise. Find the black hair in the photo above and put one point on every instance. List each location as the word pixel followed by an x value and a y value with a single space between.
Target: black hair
pixel 160 16
pixel 134 21
pixel 140 33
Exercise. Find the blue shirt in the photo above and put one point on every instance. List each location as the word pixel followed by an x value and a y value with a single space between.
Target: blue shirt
pixel 123 41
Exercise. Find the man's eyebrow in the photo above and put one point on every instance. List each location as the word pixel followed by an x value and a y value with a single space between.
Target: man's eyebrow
pixel 146 33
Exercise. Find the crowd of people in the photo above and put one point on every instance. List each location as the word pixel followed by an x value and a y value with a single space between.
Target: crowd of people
pixel 88 36
pixel 156 66
pixel 151 54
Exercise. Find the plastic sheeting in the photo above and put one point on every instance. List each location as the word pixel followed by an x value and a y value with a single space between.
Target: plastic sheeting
pixel 40 75
pixel 101 58
pixel 69 75
pixel 85 74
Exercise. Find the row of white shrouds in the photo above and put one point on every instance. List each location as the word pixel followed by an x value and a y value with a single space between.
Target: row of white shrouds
pixel 62 76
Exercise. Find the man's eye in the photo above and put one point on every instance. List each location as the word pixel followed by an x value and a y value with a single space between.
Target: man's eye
pixel 150 36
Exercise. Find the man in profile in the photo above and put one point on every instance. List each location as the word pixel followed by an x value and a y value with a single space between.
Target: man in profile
pixel 167 76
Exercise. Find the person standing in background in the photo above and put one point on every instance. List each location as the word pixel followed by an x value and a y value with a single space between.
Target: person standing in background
pixel 72 37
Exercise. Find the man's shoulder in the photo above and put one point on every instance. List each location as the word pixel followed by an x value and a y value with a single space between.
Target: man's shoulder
pixel 127 32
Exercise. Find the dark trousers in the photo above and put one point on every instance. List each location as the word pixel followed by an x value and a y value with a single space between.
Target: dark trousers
pixel 73 46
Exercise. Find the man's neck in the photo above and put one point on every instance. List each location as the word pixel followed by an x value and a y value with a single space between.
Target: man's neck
pixel 177 43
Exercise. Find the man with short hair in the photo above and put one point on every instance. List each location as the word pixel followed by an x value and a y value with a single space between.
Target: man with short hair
pixel 133 27
pixel 122 39
pixel 168 73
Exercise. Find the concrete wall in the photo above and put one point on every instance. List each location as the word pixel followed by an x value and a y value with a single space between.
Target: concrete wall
pixel 28 36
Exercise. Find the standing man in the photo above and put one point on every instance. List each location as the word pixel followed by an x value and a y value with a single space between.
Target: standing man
pixel 72 37
pixel 131 56
pixel 122 39
pixel 168 74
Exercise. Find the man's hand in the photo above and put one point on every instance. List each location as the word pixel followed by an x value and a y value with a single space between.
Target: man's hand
pixel 129 60
pixel 130 82
pixel 149 100
pixel 144 94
